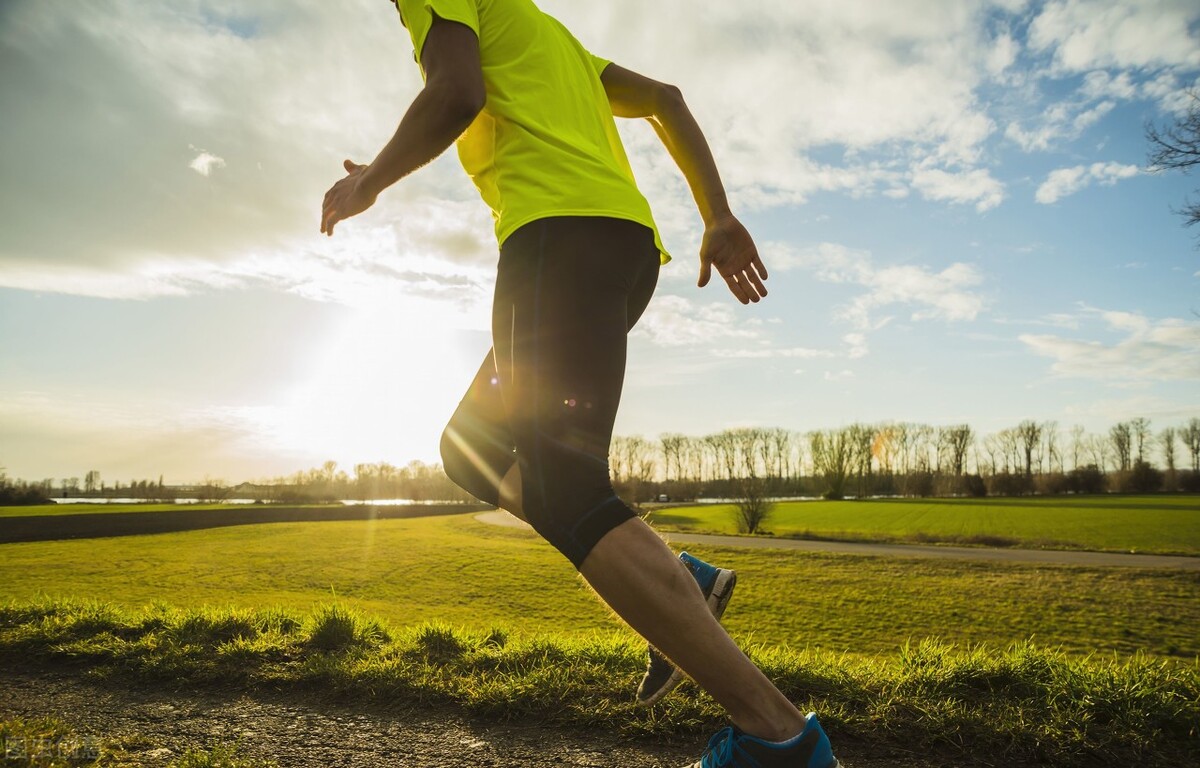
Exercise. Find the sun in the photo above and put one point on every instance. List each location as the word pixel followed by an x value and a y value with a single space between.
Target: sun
pixel 380 387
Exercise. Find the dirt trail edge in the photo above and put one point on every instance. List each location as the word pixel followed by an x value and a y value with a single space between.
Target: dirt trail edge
pixel 154 726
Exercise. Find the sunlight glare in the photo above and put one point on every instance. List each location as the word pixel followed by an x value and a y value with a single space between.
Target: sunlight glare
pixel 382 387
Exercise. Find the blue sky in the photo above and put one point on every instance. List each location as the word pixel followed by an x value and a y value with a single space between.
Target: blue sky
pixel 950 197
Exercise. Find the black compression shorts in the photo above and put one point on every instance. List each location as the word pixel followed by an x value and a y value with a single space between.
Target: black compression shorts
pixel 568 290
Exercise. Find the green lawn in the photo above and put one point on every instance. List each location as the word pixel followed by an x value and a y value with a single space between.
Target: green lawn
pixel 457 570
pixel 1162 524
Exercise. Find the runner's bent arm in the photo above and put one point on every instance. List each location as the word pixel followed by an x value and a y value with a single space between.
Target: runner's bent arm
pixel 452 97
pixel 727 245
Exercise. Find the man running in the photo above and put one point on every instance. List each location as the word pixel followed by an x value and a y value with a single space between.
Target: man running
pixel 532 114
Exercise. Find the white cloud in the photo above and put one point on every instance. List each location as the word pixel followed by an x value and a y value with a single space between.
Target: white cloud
pixel 674 321
pixel 1101 84
pixel 946 295
pixel 1067 181
pixel 893 83
pixel 1094 34
pixel 858 345
pixel 976 186
pixel 841 375
pixel 205 162
pixel 771 352
pixel 1003 54
pixel 1144 350
pixel 287 88
pixel 1064 121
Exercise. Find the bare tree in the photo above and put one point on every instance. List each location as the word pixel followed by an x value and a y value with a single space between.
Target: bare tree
pixel 781 447
pixel 1053 456
pixel 861 438
pixel 901 438
pixel 1191 438
pixel 1122 442
pixel 884 448
pixel 672 446
pixel 832 456
pixel 1077 445
pixel 921 443
pixel 751 508
pixel 91 481
pixel 747 443
pixel 958 439
pixel 1177 148
pixel 1166 440
pixel 1100 450
pixel 1029 434
pixel 991 447
pixel 1140 427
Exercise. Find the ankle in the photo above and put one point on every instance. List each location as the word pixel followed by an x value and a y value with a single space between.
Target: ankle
pixel 772 730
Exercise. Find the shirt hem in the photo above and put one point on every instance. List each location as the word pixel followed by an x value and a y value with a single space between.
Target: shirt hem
pixel 663 255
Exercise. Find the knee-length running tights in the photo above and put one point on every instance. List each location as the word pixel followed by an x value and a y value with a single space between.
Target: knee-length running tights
pixel 568 290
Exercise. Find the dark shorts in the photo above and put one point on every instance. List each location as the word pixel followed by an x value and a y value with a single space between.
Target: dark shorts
pixel 568 290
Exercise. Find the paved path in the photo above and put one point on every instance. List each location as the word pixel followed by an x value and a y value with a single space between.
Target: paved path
pixel 1050 556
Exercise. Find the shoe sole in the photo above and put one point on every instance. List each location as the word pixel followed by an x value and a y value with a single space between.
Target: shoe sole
pixel 718 600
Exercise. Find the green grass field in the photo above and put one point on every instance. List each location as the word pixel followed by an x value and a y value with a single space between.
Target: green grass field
pixel 1159 524
pixel 465 573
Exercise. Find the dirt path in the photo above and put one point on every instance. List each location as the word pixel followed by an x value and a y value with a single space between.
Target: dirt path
pixel 1045 556
pixel 152 727
pixel 157 726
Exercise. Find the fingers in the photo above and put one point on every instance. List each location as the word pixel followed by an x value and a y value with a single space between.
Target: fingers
pixel 329 214
pixel 738 291
pixel 759 267
pixel 705 273
pixel 329 206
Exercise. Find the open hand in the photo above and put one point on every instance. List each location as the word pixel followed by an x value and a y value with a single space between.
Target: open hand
pixel 346 198
pixel 728 247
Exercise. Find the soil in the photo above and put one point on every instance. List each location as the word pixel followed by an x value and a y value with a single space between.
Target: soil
pixel 155 726
pixel 148 727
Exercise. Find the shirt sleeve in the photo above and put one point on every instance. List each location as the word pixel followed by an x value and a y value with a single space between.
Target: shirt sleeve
pixel 417 16
pixel 598 63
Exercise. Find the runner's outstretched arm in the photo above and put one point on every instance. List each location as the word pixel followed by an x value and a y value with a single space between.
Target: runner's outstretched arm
pixel 453 95
pixel 727 245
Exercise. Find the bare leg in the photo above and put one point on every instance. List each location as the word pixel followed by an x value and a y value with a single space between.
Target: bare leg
pixel 641 579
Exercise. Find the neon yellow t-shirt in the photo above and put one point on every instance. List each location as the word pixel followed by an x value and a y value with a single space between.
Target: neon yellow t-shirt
pixel 546 143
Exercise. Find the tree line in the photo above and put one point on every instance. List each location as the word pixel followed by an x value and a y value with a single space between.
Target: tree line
pixel 890 459
pixel 910 459
pixel 416 481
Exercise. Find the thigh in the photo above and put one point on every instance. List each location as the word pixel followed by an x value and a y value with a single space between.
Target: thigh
pixel 567 292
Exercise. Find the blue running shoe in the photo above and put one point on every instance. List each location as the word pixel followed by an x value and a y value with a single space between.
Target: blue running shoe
pixel 717 585
pixel 731 748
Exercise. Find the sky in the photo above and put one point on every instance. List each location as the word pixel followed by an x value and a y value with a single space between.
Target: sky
pixel 951 198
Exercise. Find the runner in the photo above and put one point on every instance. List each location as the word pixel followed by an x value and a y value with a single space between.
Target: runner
pixel 532 114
